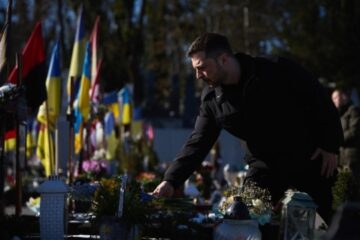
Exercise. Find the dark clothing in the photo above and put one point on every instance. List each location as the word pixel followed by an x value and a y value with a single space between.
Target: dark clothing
pixel 350 121
pixel 350 150
pixel 278 108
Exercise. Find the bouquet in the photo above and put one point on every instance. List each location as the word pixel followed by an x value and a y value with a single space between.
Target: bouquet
pixel 258 201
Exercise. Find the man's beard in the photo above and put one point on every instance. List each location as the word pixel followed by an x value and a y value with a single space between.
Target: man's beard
pixel 208 81
pixel 214 82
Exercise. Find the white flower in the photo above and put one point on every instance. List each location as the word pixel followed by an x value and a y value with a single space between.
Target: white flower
pixel 257 203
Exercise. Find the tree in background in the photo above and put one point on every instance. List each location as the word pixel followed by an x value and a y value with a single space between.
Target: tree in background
pixel 144 41
pixel 324 35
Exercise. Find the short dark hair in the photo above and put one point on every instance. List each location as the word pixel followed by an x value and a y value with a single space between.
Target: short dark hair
pixel 344 90
pixel 213 44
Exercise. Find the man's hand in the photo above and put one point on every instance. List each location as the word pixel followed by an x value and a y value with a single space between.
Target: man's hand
pixel 329 163
pixel 164 189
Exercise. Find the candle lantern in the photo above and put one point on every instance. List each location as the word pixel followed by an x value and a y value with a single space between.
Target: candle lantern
pixel 53 208
pixel 298 216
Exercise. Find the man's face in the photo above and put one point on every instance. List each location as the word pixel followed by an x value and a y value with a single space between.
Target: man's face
pixel 339 98
pixel 207 69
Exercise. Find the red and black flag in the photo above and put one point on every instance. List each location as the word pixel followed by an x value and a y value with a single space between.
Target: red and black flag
pixel 33 69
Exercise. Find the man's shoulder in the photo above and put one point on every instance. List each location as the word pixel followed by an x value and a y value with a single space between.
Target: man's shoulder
pixel 207 93
pixel 355 110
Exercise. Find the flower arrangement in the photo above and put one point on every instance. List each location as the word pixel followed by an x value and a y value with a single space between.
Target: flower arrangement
pixel 95 169
pixel 137 204
pixel 148 181
pixel 258 201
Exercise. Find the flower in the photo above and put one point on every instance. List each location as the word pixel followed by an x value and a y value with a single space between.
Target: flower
pixel 148 180
pixel 95 168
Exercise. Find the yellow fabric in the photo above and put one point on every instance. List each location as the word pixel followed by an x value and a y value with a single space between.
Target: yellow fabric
pixel 53 86
pixel 114 108
pixel 84 98
pixel 78 140
pixel 3 48
pixel 45 150
pixel 10 144
pixel 111 142
pixel 126 114
pixel 29 144
pixel 77 60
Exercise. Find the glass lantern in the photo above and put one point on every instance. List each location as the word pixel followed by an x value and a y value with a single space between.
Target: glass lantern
pixel 297 216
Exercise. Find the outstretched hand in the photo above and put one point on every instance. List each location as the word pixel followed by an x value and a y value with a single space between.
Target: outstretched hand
pixel 164 189
pixel 329 162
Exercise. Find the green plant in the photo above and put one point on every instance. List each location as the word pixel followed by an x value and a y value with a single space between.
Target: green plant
pixel 106 200
pixel 345 189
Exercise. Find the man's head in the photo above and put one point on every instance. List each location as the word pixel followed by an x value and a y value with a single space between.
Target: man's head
pixel 210 54
pixel 340 98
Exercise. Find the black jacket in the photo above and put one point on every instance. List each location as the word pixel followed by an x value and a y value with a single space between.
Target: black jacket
pixel 279 109
pixel 350 121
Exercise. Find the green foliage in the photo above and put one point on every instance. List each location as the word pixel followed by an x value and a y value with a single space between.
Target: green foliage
pixel 324 35
pixel 106 201
pixel 345 189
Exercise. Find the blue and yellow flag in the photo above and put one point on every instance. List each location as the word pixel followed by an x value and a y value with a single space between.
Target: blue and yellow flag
pixel 53 87
pixel 85 84
pixel 45 149
pixel 111 101
pixel 77 58
pixel 125 105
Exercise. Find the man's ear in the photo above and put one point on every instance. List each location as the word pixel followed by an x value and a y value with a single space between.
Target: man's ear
pixel 223 59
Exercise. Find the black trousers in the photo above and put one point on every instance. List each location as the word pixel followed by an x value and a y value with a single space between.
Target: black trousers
pixel 306 178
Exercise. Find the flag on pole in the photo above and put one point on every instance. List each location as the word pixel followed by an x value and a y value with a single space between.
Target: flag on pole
pixel 3 50
pixel 110 100
pixel 10 140
pixel 93 42
pixel 95 89
pixel 125 105
pixel 53 86
pixel 4 44
pixel 95 65
pixel 110 136
pixel 44 150
pixel 78 130
pixel 77 58
pixel 83 95
pixel 33 69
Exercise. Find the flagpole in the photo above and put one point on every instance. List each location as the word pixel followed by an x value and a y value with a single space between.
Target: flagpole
pixel 17 158
pixel 51 149
pixel 7 67
pixel 56 146
pixel 71 129
pixel 8 35
pixel 2 175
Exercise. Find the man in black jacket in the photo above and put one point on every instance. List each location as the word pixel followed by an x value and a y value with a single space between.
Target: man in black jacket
pixel 290 125
pixel 350 121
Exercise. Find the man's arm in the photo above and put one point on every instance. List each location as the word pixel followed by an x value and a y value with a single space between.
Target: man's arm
pixel 192 154
pixel 352 133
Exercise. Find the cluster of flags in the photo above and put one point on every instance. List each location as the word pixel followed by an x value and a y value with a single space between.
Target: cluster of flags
pixel 43 92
